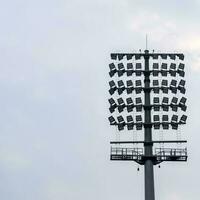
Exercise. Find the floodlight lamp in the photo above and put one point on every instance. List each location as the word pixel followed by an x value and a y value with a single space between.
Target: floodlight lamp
pixel 172 56
pixel 156 105
pixel 137 56
pixel 113 87
pixel 155 56
pixel 165 104
pixel 181 73
pixel 181 69
pixel 165 122
pixel 174 126
pixel 129 56
pixel 173 87
pixel 121 69
pixel 130 122
pixel 130 104
pixel 174 104
pixel 156 83
pixel 174 122
pixel 182 104
pixel 156 86
pixel 120 56
pixel 113 56
pixel 164 85
pixel 174 119
pixel 180 56
pixel 121 104
pixel 181 66
pixel 113 105
pixel 129 71
pixel 138 69
pixel 172 69
pixel 121 123
pixel 121 87
pixel 113 69
pixel 138 103
pixel 164 69
pixel 163 56
pixel 138 122
pixel 183 119
pixel 138 66
pixel 165 118
pixel 181 83
pixel 129 86
pixel 112 120
pixel 138 86
pixel 181 86
pixel 155 69
pixel 156 119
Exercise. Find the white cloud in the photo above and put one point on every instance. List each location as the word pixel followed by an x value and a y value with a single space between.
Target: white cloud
pixel 14 161
pixel 190 42
pixel 163 33
pixel 174 196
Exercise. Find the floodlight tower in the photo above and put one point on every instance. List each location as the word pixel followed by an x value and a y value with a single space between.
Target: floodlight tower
pixel 147 155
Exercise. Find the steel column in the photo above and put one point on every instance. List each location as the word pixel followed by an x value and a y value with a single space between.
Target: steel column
pixel 149 175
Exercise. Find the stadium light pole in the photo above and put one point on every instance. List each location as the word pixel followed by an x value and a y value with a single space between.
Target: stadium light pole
pixel 150 156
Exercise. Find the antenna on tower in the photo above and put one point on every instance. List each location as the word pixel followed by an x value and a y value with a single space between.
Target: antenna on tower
pixel 146 42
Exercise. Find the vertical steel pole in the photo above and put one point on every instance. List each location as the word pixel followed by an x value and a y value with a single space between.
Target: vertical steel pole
pixel 148 145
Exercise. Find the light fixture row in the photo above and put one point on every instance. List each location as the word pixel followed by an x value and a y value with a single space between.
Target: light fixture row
pixel 139 123
pixel 137 56
pixel 164 86
pixel 137 69
pixel 120 104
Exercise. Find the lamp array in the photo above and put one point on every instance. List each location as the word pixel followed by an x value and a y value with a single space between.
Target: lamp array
pixel 163 86
pixel 120 122
pixel 130 68
pixel 129 104
pixel 137 69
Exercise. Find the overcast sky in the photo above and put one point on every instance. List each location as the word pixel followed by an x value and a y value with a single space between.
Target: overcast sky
pixel 54 133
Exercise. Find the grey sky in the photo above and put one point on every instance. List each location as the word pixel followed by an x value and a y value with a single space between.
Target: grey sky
pixel 54 134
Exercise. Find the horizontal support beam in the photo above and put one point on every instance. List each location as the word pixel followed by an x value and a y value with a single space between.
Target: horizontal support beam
pixel 158 141
pixel 149 124
pixel 150 106
pixel 150 88
pixel 154 53
pixel 144 54
pixel 120 56
pixel 150 71
pixel 139 89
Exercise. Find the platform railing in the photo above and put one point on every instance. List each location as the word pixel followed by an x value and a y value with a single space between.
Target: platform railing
pixel 137 154
pixel 126 151
pixel 171 152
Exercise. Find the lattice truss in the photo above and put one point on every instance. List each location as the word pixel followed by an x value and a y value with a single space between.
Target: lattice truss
pixel 127 104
